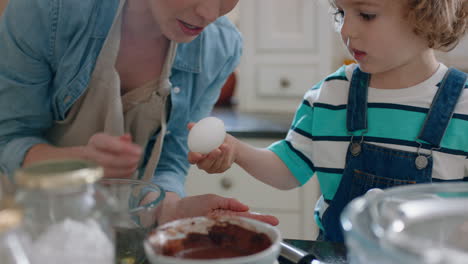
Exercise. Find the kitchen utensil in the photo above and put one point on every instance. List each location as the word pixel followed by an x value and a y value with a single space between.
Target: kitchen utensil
pixel 414 224
pixel 295 255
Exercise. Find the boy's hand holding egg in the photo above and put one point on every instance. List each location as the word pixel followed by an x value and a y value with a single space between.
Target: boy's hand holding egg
pixel 209 145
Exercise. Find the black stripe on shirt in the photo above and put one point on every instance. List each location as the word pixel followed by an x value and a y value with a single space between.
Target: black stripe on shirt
pixel 300 155
pixel 336 77
pixel 302 132
pixel 390 141
pixel 460 116
pixel 306 103
pixel 454 180
pixel 329 106
pixel 330 170
pixel 388 106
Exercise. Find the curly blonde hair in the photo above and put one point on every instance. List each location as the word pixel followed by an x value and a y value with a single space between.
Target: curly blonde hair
pixel 443 23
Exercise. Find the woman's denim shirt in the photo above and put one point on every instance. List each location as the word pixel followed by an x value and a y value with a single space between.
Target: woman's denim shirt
pixel 48 50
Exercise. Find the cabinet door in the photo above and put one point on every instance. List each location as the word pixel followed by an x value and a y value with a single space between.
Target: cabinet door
pixel 286 51
pixel 286 25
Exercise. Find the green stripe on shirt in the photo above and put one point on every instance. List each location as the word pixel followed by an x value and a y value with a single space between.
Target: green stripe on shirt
pixel 295 164
pixel 304 117
pixel 388 123
pixel 329 183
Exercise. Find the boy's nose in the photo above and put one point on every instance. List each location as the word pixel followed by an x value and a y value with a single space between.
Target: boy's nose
pixel 209 10
pixel 348 29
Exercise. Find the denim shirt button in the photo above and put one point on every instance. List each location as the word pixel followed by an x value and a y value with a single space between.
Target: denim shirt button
pixel 176 90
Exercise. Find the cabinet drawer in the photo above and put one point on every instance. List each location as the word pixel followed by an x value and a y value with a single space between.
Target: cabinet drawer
pixel 236 183
pixel 284 80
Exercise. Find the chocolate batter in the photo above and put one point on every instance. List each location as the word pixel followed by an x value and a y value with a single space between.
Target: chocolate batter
pixel 224 240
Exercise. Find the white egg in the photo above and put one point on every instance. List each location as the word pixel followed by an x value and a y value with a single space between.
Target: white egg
pixel 206 135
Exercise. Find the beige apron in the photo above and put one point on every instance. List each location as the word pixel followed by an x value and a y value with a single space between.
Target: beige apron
pixel 140 112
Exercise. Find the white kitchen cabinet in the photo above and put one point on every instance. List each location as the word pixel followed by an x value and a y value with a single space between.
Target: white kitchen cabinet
pixel 457 57
pixel 287 49
pixel 294 208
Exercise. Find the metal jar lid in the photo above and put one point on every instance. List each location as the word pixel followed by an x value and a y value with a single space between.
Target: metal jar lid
pixel 58 173
pixel 10 216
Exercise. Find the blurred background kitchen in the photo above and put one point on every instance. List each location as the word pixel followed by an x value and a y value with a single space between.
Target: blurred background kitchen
pixel 288 47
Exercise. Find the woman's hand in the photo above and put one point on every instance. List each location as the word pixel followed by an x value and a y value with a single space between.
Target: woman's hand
pixel 207 205
pixel 117 155
pixel 217 161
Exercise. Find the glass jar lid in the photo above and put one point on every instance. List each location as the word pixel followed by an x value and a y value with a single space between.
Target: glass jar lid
pixel 54 174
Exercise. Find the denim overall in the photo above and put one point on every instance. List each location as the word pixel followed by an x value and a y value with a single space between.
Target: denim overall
pixel 369 166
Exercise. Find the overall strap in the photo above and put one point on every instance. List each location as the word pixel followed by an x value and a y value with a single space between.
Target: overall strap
pixel 356 112
pixel 442 108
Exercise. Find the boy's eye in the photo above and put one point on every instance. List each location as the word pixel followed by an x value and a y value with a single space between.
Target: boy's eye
pixel 367 17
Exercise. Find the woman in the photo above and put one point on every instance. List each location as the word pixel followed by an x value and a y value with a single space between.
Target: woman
pixel 98 80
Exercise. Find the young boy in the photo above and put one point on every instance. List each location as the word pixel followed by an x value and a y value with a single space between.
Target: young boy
pixel 397 117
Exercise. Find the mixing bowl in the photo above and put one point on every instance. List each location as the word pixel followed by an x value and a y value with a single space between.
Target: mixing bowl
pixel 135 217
pixel 414 224
pixel 221 240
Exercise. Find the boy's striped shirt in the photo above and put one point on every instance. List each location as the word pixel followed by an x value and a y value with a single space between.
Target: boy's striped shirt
pixel 317 141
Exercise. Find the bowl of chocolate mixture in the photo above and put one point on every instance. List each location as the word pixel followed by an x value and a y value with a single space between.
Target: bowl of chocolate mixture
pixel 221 240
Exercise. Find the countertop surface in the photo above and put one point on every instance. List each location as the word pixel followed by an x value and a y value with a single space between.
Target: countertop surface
pixel 254 125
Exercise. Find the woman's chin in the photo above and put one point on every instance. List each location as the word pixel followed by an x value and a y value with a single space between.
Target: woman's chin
pixel 180 37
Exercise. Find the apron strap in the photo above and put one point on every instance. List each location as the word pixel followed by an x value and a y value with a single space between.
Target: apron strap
pixel 442 108
pixel 164 89
pixel 356 112
pixel 157 148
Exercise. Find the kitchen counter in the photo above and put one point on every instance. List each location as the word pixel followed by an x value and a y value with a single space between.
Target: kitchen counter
pixel 327 252
pixel 254 125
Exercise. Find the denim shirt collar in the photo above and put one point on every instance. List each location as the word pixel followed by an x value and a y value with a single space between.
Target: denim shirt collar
pixel 189 56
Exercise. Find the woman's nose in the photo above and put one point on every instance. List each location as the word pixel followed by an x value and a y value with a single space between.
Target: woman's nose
pixel 209 10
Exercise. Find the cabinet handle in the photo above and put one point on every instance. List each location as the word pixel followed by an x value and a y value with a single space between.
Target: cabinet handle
pixel 285 83
pixel 226 183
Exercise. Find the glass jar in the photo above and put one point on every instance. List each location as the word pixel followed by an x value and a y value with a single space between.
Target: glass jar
pixel 7 188
pixel 66 214
pixel 414 224
pixel 14 244
pixel 136 217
